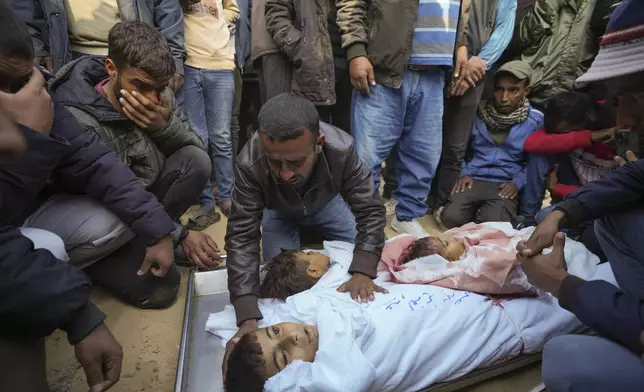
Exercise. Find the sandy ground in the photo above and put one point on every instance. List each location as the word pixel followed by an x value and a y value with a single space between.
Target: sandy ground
pixel 150 340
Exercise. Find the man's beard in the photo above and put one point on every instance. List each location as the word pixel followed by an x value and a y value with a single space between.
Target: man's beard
pixel 116 86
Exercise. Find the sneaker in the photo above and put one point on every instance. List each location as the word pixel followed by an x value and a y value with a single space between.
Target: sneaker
pixel 438 217
pixel 408 227
pixel 390 206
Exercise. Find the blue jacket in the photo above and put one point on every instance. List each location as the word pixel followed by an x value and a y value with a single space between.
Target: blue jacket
pixel 488 161
pixel 603 307
pixel 47 23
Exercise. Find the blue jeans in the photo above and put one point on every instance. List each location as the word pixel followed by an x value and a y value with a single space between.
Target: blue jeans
pixel 208 104
pixel 279 231
pixel 411 116
pixel 539 166
pixel 621 237
pixel 578 363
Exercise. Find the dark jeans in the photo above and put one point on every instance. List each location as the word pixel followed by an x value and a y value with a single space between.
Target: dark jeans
pixel 274 74
pixel 481 203
pixel 178 188
pixel 339 115
pixel 458 120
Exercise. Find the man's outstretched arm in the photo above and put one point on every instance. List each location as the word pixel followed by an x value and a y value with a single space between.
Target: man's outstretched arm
pixel 242 245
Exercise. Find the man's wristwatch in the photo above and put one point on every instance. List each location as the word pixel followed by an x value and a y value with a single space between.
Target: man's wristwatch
pixel 177 239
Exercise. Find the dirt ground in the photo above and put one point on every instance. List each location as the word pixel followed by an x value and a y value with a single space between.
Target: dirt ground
pixel 150 340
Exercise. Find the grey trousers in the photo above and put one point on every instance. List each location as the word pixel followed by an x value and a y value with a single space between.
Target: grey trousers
pixel 480 204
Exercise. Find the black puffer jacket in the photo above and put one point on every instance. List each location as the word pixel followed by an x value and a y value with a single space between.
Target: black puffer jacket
pixel 144 152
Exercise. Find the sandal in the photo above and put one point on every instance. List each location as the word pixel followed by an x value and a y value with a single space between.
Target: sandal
pixel 226 208
pixel 203 217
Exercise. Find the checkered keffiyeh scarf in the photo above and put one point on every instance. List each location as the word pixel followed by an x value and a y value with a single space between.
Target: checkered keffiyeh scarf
pixel 496 121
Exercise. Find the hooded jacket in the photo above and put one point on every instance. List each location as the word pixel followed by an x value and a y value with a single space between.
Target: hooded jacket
pixel 143 151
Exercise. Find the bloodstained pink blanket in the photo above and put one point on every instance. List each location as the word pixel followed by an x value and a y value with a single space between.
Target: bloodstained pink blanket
pixel 486 267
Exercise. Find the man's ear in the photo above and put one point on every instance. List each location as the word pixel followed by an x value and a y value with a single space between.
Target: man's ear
pixel 110 67
pixel 528 89
pixel 319 143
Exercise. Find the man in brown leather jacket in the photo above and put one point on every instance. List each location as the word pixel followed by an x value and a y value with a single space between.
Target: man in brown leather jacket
pixel 297 172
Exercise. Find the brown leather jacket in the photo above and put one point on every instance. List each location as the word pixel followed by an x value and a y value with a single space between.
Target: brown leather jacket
pixel 337 171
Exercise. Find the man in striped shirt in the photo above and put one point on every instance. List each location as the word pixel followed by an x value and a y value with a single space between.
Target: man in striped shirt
pixel 397 64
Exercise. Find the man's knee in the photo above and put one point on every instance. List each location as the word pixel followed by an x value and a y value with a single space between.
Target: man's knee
pixel 198 163
pixel 453 216
pixel 158 293
pixel 99 235
pixel 44 239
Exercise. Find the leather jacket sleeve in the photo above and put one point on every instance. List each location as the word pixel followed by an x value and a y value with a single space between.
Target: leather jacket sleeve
pixel 367 206
pixel 242 244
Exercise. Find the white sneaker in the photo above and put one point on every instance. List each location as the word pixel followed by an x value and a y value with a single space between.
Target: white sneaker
pixel 412 227
pixel 390 205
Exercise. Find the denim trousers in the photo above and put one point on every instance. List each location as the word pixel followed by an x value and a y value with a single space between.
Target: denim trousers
pixel 411 116
pixel 280 231
pixel 209 96
pixel 539 167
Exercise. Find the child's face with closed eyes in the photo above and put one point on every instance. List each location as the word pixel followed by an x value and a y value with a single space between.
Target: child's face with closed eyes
pixel 283 343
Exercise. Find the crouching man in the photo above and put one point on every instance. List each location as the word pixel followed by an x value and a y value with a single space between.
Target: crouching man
pixel 126 101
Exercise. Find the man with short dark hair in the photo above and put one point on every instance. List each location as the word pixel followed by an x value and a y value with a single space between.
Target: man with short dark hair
pixel 63 30
pixel 494 171
pixel 126 101
pixel 297 172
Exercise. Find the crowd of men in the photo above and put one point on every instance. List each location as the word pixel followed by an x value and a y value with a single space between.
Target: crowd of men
pixel 117 117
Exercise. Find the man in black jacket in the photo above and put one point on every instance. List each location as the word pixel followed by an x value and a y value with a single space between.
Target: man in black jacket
pixel 613 361
pixel 39 292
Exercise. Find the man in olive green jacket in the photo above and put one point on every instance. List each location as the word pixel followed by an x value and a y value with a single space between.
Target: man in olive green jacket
pixel 556 40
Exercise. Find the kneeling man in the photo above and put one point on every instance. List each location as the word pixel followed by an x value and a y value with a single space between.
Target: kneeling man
pixel 297 172
pixel 494 171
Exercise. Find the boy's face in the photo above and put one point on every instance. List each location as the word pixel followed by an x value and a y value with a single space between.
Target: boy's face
pixel 318 264
pixel 509 93
pixel 283 343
